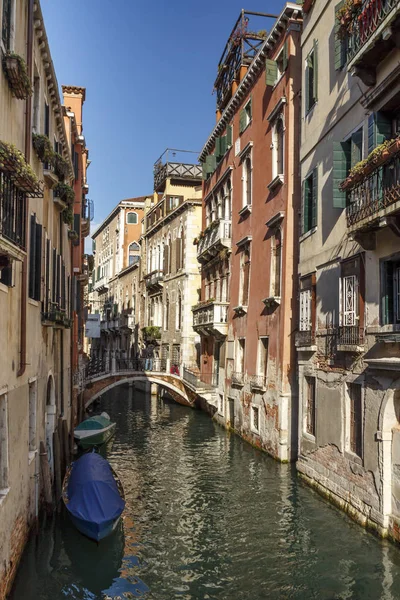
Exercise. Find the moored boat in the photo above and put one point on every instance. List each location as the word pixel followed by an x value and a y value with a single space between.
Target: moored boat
pixel 93 496
pixel 94 431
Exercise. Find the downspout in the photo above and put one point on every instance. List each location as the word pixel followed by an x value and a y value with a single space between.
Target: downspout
pixel 61 332
pixel 28 141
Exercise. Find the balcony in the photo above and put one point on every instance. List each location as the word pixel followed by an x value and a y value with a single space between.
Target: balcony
pixel 199 380
pixel 101 285
pixel 218 237
pixel 350 338
pixel 127 320
pixel 87 216
pixel 258 383
pixel 56 318
pixel 12 219
pixel 237 378
pixel 373 29
pixel 305 340
pixel 154 279
pixel 211 318
pixel 376 194
pixel 169 166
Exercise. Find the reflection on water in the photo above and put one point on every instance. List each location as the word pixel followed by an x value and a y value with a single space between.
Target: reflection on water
pixel 207 517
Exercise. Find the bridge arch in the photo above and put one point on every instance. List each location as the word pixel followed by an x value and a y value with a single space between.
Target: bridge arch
pixel 101 384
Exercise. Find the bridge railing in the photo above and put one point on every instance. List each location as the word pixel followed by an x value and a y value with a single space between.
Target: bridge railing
pixel 156 365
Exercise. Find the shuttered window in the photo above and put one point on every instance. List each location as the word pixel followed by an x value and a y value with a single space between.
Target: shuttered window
pixel 46 119
pixel 310 199
pixel 340 42
pixel 35 259
pixel 245 275
pixel 311 78
pixel 379 129
pixel 6 275
pixel 271 72
pixel 390 292
pixel 245 116
pixel 6 24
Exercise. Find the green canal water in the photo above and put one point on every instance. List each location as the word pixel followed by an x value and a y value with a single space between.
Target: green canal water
pixel 207 517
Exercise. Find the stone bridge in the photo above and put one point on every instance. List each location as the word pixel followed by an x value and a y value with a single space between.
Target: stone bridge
pixel 98 384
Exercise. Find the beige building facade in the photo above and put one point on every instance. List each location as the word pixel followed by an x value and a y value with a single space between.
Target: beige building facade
pixel 347 340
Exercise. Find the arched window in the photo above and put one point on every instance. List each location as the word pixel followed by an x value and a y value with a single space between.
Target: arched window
pixel 131 218
pixel 247 192
pixel 166 313
pixel 279 148
pixel 178 312
pixel 134 253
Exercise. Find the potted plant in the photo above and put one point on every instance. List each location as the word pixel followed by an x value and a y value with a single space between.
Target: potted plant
pixel 68 215
pixel 43 148
pixel 61 167
pixel 13 161
pixel 65 193
pixel 16 73
pixel 73 235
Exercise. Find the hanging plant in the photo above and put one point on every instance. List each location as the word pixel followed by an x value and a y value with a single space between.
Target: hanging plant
pixel 16 73
pixel 68 216
pixel 72 235
pixel 61 167
pixel 90 262
pixel 43 148
pixel 65 193
pixel 13 161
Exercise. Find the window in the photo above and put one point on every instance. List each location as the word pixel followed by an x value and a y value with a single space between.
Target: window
pixel 311 77
pixel 307 303
pixel 276 261
pixel 390 286
pixel 131 218
pixel 6 24
pixel 221 404
pixel 345 155
pixel 134 253
pixel 245 116
pixel 341 42
pixel 179 313
pixel 36 104
pixel 309 204
pixel 46 120
pixel 3 443
pixel 245 275
pixel 166 314
pixel 240 356
pixel 35 259
pixel 262 357
pixel 355 414
pixel 278 149
pixel 32 415
pixel 255 418
pixel 310 405
pixel 247 183
pixel 13 207
pixel 350 289
pixel 275 68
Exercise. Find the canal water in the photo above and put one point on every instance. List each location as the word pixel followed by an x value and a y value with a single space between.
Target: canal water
pixel 207 517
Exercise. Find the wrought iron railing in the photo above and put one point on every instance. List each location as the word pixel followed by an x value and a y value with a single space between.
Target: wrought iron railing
pixel 199 379
pixel 365 23
pixel 154 278
pixel 158 365
pixel 88 209
pixel 305 338
pixel 95 366
pixel 12 211
pixel 237 378
pixel 176 170
pixel 378 190
pixel 215 235
pixel 257 382
pixel 350 335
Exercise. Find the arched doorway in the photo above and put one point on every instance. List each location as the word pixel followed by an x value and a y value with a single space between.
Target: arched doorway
pixel 50 421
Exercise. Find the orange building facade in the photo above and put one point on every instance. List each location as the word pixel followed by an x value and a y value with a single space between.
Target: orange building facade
pixel 248 247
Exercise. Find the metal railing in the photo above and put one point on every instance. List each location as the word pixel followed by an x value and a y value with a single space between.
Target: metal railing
pixel 96 366
pixel 365 23
pixel 214 313
pixel 199 379
pixel 12 212
pixel 154 278
pixel 156 365
pixel 216 234
pixel 176 170
pixel 378 190
pixel 257 382
pixel 88 209
pixel 305 338
pixel 350 335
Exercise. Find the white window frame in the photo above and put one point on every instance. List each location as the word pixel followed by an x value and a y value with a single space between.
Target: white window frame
pixel 260 350
pixel 272 281
pixel 12 28
pixel 254 429
pixel 275 173
pixel 305 321
pixel 345 318
pixel 347 415
pixel 304 390
pixel 245 108
pixel 245 178
pixel 240 355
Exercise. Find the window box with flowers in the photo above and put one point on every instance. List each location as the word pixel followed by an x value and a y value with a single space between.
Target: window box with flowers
pixel 61 167
pixel 65 193
pixel 376 158
pixel 16 73
pixel 12 162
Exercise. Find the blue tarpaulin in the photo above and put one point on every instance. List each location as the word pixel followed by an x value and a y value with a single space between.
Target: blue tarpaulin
pixel 93 494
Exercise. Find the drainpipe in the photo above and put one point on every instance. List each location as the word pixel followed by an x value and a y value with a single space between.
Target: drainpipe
pixel 61 334
pixel 28 141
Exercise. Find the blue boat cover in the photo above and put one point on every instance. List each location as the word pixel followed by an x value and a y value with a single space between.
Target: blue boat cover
pixel 92 491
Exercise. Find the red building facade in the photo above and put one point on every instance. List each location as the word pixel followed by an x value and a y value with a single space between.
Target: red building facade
pixel 248 247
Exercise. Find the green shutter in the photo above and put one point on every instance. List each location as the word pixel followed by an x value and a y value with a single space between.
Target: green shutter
pixel 229 136
pixel 218 147
pixel 285 55
pixel 315 65
pixel 242 120
pixel 250 107
pixel 204 170
pixel 223 145
pixel 379 130
pixel 211 161
pixel 356 147
pixel 271 72
pixel 340 44
pixel 387 293
pixel 305 207
pixel 307 88
pixel 314 198
pixel 341 159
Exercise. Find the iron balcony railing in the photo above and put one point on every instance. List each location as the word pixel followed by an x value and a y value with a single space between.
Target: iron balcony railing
pixel 257 382
pixel 157 365
pixel 211 314
pixel 87 209
pixel 305 338
pixel 154 278
pixel 366 22
pixel 199 379
pixel 95 366
pixel 238 378
pixel 376 191
pixel 12 212
pixel 221 233
pixel 350 335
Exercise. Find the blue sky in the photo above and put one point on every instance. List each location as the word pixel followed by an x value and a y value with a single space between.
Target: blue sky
pixel 148 67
